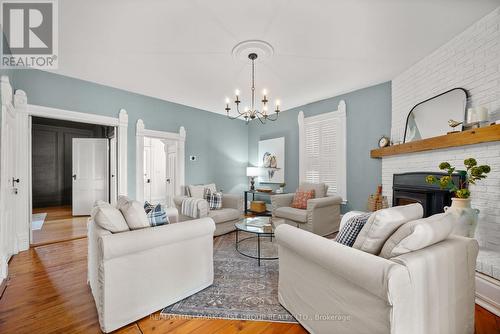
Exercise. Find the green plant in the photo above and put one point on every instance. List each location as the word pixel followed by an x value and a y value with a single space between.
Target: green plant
pixel 472 174
pixel 283 185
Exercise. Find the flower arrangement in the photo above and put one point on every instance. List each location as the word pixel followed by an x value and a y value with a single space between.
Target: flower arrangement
pixel 472 174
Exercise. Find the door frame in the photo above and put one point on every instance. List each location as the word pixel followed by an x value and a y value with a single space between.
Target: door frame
pixel 24 113
pixel 9 231
pixel 179 138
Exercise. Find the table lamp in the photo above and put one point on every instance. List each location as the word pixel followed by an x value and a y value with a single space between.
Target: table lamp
pixel 253 172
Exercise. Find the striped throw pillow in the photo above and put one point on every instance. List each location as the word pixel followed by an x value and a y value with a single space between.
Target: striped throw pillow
pixel 156 215
pixel 351 229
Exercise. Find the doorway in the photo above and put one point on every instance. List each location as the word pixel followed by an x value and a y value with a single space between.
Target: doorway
pixel 70 170
pixel 160 165
pixel 160 161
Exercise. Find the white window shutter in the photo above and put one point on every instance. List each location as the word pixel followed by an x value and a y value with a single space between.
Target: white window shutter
pixel 323 153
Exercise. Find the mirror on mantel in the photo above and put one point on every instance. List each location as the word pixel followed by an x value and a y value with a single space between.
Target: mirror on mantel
pixel 433 116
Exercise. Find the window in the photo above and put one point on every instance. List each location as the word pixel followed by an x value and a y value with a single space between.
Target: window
pixel 323 150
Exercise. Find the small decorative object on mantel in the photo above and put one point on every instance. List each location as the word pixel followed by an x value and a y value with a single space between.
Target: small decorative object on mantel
pixel 477 118
pixel 377 201
pixel 453 124
pixel 264 190
pixel 383 142
pixel 466 217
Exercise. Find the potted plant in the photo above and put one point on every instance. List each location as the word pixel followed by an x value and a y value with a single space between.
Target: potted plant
pixel 466 217
pixel 282 188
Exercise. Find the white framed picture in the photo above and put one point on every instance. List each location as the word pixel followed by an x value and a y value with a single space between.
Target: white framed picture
pixel 272 160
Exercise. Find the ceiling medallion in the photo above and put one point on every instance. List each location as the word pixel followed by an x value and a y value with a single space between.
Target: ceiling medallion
pixel 252 50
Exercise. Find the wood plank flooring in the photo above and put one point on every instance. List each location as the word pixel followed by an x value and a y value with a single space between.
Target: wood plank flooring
pixel 59 225
pixel 47 293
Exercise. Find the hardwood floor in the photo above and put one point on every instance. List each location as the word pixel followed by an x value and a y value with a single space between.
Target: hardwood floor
pixel 60 225
pixel 47 293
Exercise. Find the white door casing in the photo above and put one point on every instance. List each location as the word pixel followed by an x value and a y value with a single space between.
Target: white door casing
pixel 171 156
pixel 90 173
pixel 178 138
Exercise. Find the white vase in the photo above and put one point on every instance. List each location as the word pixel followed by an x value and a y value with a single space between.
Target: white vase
pixel 465 217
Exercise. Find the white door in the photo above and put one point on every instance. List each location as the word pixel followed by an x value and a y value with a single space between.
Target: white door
pixel 154 171
pixel 8 190
pixel 158 172
pixel 171 164
pixel 90 174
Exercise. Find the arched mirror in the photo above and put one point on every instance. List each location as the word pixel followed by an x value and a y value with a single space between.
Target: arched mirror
pixel 436 116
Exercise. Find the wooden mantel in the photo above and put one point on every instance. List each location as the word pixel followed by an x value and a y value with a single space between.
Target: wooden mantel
pixel 469 137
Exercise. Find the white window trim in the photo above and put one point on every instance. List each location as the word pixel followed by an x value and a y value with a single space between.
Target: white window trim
pixel 342 156
pixel 180 173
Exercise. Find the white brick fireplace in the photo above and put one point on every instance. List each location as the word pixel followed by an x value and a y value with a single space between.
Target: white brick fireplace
pixel 470 60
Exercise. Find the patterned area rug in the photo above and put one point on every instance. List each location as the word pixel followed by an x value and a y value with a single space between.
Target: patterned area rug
pixel 241 290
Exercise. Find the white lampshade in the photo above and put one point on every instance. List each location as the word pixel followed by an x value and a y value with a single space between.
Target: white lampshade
pixel 253 171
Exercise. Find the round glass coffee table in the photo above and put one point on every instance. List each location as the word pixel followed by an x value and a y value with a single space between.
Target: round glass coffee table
pixel 261 228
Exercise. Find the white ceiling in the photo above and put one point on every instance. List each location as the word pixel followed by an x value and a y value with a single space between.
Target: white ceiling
pixel 180 50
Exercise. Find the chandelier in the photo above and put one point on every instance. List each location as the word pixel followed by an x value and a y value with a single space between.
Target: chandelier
pixel 251 113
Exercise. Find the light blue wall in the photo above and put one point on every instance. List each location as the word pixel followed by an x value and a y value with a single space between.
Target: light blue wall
pixel 219 143
pixel 368 118
pixel 225 147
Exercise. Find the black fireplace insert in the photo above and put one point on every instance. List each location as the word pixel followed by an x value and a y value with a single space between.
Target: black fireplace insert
pixel 410 188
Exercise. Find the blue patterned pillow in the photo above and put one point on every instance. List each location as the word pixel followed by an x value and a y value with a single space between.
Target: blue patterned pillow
pixel 351 229
pixel 156 215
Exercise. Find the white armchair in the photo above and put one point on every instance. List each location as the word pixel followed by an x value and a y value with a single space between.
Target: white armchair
pixel 224 218
pixel 322 215
pixel 332 288
pixel 135 273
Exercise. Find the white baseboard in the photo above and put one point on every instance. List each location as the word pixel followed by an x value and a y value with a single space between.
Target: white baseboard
pixel 488 293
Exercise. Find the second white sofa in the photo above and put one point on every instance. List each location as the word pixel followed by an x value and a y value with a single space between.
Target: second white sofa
pixel 333 288
pixel 135 273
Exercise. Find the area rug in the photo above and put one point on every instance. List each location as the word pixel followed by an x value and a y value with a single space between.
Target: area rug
pixel 242 290
pixel 37 220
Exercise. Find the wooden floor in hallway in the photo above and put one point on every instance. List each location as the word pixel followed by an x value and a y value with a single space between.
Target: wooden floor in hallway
pixel 47 293
pixel 59 225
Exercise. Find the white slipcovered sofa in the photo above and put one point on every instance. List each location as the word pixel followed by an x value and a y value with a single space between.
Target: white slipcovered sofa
pixel 224 218
pixel 333 288
pixel 135 273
